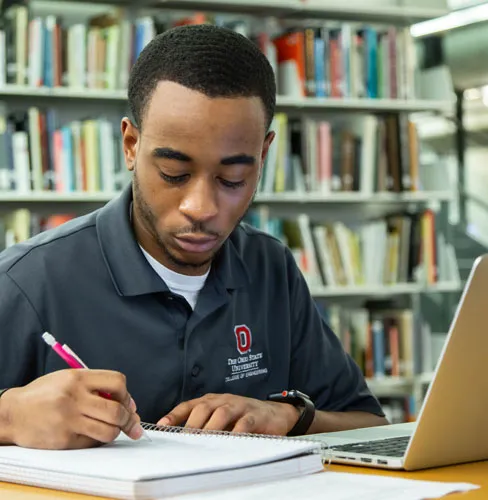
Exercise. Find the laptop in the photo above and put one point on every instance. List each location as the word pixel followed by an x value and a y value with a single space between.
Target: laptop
pixel 452 425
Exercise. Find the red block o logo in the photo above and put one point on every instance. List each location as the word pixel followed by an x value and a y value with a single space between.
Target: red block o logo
pixel 243 337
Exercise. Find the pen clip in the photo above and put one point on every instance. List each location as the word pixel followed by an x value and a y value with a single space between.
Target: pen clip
pixel 71 353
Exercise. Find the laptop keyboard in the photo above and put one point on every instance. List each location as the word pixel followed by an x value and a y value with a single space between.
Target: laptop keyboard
pixel 392 447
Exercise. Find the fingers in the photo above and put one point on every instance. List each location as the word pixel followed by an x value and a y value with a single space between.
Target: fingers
pixel 222 418
pixel 179 414
pixel 119 410
pixel 99 431
pixel 246 424
pixel 227 412
pixel 112 413
pixel 107 381
pixel 199 416
pixel 210 412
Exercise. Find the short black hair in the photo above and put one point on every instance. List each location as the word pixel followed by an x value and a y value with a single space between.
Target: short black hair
pixel 216 61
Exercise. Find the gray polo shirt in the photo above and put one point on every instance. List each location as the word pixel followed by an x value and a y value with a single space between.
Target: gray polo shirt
pixel 255 328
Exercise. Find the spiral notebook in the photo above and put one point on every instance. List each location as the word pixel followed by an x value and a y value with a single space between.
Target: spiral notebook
pixel 176 461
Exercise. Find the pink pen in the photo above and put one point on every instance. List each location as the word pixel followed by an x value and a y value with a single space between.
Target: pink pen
pixel 68 355
pixel 72 360
pixel 62 351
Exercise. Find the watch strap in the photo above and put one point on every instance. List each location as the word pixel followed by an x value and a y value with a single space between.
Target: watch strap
pixel 299 400
pixel 305 420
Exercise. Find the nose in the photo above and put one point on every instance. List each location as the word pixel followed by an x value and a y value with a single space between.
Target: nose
pixel 199 202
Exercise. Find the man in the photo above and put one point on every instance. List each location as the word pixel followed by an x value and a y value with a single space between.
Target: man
pixel 174 305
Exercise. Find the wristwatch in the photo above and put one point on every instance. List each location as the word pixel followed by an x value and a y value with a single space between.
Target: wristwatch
pixel 299 400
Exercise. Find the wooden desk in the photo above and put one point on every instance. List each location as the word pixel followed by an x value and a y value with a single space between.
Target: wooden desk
pixel 476 473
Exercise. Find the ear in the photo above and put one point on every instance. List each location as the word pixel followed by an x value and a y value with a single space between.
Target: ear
pixel 130 141
pixel 267 143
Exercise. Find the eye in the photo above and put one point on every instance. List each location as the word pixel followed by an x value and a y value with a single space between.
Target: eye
pixel 232 185
pixel 173 179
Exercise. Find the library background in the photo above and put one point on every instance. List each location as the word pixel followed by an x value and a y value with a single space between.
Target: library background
pixel 376 179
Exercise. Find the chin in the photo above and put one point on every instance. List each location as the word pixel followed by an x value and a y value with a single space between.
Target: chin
pixel 191 260
pixel 201 260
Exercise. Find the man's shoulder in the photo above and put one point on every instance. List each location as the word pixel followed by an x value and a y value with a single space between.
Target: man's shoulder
pixel 250 238
pixel 52 244
pixel 258 248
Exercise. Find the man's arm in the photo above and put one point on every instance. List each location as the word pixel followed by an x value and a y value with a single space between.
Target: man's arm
pixel 321 368
pixel 20 359
pixel 5 424
pixel 342 421
pixel 21 350
pixel 240 414
pixel 32 400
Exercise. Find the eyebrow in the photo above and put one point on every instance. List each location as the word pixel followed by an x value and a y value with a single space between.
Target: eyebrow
pixel 239 159
pixel 172 154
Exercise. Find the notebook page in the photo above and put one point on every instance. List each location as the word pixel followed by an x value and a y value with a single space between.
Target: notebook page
pixel 167 455
pixel 338 486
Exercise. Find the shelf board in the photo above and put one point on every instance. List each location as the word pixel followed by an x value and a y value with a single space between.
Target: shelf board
pixel 380 291
pixel 53 197
pixel 62 93
pixel 439 128
pixel 282 102
pixel 364 105
pixel 325 10
pixel 397 385
pixel 354 197
pixel 444 287
pixel 310 9
pixel 274 198
pixel 361 11
pixel 390 385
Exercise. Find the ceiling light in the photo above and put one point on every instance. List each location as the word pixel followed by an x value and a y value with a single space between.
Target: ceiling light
pixel 450 21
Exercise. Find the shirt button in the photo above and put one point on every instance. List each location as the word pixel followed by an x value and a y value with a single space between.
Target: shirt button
pixel 195 371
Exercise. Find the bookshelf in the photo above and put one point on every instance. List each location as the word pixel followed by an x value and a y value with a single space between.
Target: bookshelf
pixel 374 105
pixel 355 198
pixel 374 113
pixel 310 9
pixel 383 291
pixel 277 198
pixel 283 103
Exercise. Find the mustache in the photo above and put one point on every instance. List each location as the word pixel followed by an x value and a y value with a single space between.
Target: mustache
pixel 197 228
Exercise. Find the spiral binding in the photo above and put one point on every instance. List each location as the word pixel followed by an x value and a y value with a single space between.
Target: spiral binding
pixel 324 447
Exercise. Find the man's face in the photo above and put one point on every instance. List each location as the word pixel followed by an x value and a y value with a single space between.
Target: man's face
pixel 196 164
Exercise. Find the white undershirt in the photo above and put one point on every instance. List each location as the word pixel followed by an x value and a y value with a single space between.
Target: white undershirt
pixel 181 284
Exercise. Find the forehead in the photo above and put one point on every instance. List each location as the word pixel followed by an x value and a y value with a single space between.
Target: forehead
pixel 177 112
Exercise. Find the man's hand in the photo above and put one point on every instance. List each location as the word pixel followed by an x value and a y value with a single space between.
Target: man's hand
pixel 63 410
pixel 234 413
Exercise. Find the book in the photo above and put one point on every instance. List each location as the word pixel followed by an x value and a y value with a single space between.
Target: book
pixel 400 248
pixel 175 461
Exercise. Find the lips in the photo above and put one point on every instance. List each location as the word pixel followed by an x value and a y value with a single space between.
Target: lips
pixel 196 244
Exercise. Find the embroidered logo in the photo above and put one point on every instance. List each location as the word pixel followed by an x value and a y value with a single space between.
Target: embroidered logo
pixel 244 338
pixel 247 364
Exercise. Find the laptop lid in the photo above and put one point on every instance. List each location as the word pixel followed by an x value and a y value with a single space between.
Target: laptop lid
pixel 452 423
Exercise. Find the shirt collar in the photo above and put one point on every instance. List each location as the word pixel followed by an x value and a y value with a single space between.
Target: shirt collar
pixel 131 273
